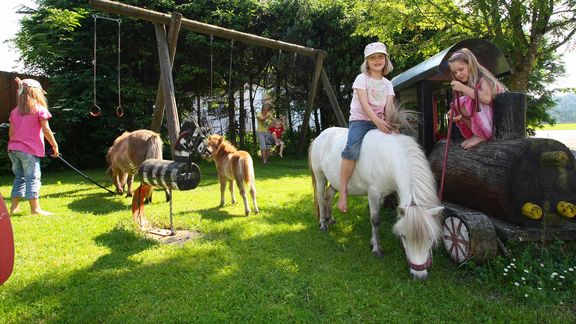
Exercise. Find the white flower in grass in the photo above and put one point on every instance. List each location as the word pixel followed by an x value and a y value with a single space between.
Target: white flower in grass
pixel 516 284
pixel 539 288
pixel 571 269
pixel 505 269
pixel 526 295
pixel 514 259
pixel 512 264
pixel 523 279
pixel 554 274
pixel 562 277
pixel 526 271
pixel 541 265
pixel 505 274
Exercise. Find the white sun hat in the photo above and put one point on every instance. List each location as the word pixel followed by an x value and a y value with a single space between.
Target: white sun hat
pixel 33 84
pixel 376 47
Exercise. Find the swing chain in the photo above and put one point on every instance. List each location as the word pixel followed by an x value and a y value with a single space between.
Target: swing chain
pixel 119 110
pixel 95 111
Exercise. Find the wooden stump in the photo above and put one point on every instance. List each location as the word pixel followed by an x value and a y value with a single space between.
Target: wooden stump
pixel 468 235
pixel 509 116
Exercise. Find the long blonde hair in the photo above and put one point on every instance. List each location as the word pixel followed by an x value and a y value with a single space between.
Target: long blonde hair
pixel 29 97
pixel 387 68
pixel 476 71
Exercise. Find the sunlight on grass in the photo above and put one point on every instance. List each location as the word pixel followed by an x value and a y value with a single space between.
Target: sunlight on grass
pixel 90 263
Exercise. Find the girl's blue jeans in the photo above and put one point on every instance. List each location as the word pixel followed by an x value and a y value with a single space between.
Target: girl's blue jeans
pixel 26 168
pixel 357 129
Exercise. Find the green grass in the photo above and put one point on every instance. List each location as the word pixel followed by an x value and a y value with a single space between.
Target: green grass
pixel 567 126
pixel 88 263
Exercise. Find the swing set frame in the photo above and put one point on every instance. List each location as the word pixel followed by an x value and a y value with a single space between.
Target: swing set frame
pixel 165 99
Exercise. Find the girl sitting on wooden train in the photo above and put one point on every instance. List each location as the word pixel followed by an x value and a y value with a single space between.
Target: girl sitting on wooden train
pixel 474 91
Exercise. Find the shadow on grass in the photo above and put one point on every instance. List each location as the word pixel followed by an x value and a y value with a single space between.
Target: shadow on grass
pixel 96 203
pixel 123 244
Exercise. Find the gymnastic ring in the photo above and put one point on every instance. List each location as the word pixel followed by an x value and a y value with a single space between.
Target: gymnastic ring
pixel 95 111
pixel 119 111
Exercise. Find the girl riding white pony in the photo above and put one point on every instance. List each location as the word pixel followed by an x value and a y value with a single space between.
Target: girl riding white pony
pixel 388 163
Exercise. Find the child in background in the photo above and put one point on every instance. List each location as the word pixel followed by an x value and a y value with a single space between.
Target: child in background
pixel 474 91
pixel 276 129
pixel 264 119
pixel 372 100
pixel 28 127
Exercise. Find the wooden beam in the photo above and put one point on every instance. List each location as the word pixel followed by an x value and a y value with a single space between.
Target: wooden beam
pixel 310 102
pixel 196 26
pixel 333 101
pixel 172 122
pixel 173 32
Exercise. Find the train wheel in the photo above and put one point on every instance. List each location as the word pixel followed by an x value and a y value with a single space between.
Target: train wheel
pixel 468 235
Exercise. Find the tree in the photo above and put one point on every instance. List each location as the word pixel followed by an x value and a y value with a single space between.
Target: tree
pixel 527 32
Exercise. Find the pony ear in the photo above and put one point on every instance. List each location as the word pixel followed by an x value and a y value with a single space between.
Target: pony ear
pixel 220 140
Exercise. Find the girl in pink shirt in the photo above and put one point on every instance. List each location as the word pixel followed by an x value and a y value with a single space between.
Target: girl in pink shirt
pixel 28 127
pixel 475 88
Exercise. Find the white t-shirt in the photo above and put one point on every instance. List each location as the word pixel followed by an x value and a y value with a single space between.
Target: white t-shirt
pixel 378 92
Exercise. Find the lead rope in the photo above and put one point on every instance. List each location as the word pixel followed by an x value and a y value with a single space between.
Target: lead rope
pixel 456 98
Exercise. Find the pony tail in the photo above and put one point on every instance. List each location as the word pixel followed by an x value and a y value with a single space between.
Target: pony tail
pixel 155 149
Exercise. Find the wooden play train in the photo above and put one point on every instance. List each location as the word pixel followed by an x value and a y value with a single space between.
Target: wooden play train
pixel 510 188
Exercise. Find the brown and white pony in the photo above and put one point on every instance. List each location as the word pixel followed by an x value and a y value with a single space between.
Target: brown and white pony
pixel 388 163
pixel 128 152
pixel 232 165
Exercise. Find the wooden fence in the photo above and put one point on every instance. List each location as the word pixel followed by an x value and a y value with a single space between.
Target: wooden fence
pixel 8 91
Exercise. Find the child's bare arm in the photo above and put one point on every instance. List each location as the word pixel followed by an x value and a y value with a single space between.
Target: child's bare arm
pixel 50 137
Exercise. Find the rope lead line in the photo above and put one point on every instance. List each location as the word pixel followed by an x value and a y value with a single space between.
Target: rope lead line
pixel 95 111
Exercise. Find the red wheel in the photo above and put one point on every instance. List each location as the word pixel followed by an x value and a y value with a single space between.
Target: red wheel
pixel 456 239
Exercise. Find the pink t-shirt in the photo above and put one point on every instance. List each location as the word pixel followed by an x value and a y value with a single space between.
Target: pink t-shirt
pixel 27 133
pixel 377 91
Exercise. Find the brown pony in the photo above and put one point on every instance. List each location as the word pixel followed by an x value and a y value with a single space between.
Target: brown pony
pixel 128 152
pixel 232 165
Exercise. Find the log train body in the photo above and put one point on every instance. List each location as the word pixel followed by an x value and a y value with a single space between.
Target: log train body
pixel 510 188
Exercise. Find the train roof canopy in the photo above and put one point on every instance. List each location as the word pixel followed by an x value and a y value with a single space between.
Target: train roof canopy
pixel 436 67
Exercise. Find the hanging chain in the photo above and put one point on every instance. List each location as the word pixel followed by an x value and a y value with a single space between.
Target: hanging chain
pixel 171 222
pixel 211 66
pixel 119 110
pixel 230 69
pixel 95 111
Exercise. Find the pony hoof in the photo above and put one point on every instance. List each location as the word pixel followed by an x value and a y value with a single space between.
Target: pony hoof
pixel 256 211
pixel 331 221
pixel 324 228
pixel 128 195
pixel 378 253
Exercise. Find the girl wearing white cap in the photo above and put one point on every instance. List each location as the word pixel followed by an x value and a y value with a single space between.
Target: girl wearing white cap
pixel 373 97
pixel 28 127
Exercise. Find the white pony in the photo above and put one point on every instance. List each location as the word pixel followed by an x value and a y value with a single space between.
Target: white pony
pixel 388 163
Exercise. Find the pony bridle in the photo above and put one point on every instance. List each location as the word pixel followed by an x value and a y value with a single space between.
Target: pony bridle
pixel 418 267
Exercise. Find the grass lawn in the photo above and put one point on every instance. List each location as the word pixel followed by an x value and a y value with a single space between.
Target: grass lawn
pixel 567 126
pixel 88 263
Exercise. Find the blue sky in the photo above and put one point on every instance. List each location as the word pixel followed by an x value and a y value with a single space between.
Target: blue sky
pixel 9 26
